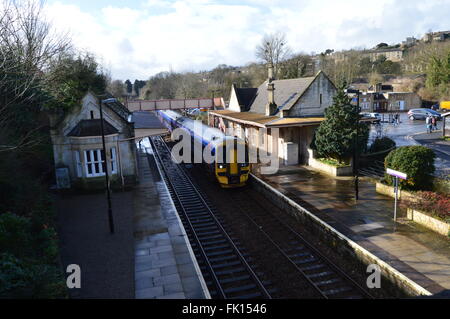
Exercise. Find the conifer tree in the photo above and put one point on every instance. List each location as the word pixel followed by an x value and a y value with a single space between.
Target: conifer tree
pixel 335 137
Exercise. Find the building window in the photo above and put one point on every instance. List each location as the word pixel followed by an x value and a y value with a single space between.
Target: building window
pixel 92 115
pixel 320 98
pixel 113 161
pixel 79 165
pixel 95 163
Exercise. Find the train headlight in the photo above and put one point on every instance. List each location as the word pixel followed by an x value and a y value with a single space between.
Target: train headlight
pixel 243 164
pixel 221 166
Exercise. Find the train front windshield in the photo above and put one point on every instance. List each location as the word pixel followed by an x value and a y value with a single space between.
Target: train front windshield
pixel 233 153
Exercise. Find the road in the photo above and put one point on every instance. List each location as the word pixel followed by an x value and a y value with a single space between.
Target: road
pixel 410 132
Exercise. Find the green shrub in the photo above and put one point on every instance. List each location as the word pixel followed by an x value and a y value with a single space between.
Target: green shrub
pixel 417 162
pixel 337 135
pixel 14 234
pixel 23 278
pixel 381 144
pixel 29 257
pixel 333 162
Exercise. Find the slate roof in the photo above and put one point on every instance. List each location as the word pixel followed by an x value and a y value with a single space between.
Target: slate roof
pixel 245 97
pixel 116 107
pixel 287 93
pixel 146 120
pixel 92 127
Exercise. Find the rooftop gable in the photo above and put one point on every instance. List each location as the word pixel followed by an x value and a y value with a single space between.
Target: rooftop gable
pixel 287 93
pixel 93 127
pixel 245 97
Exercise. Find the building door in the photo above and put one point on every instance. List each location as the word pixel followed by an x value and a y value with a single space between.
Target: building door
pixel 401 105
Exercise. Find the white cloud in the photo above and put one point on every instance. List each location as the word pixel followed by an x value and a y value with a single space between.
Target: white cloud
pixel 200 34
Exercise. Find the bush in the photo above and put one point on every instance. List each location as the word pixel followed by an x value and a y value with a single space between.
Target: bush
pixel 22 278
pixel 333 162
pixel 29 261
pixel 417 162
pixel 381 144
pixel 430 202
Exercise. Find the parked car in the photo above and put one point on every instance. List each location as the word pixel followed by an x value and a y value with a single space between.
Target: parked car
pixel 422 113
pixel 371 115
pixel 376 115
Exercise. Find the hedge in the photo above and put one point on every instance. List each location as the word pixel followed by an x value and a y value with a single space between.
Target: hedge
pixel 417 162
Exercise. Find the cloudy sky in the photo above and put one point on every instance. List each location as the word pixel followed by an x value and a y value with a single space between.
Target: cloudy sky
pixel 139 38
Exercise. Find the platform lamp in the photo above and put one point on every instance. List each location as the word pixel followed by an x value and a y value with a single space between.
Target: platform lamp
pixel 355 150
pixel 108 191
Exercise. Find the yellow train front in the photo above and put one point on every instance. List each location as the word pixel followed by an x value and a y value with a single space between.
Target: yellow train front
pixel 230 163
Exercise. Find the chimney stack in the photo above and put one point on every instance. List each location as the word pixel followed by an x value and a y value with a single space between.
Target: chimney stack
pixel 271 106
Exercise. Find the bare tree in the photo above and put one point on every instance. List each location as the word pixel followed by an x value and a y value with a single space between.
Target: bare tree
pixel 27 45
pixel 116 88
pixel 273 49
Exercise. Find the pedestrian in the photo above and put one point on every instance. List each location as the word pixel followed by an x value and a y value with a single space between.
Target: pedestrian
pixel 378 129
pixel 428 122
pixel 397 118
pixel 434 123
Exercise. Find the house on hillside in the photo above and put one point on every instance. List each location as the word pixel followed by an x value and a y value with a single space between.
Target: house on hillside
pixel 383 98
pixel 392 54
pixel 78 150
pixel 295 107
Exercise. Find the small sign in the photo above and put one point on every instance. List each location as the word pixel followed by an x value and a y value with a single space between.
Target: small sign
pixel 395 173
pixel 62 178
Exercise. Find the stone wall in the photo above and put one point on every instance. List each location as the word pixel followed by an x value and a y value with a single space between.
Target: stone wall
pixel 430 222
pixel 351 251
pixel 328 169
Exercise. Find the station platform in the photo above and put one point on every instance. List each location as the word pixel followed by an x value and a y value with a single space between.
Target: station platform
pixel 165 266
pixel 418 253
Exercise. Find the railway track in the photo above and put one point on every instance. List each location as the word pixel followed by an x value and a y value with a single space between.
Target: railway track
pixel 254 215
pixel 324 276
pixel 226 267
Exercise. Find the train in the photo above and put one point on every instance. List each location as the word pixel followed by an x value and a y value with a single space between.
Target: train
pixel 229 169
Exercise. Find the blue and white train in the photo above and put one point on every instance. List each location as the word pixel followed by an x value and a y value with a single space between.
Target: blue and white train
pixel 229 169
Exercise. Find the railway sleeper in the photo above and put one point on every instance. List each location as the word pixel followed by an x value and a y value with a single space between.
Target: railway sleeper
pixel 255 295
pixel 320 274
pixel 234 279
pixel 202 222
pixel 305 261
pixel 208 248
pixel 221 252
pixel 238 289
pixel 327 282
pixel 312 267
pixel 223 258
pixel 230 271
pixel 208 229
pixel 335 291
pixel 194 207
pixel 214 242
pixel 225 265
pixel 298 255
pixel 211 235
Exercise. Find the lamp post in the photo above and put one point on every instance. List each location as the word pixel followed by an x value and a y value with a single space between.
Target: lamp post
pixel 108 191
pixel 355 149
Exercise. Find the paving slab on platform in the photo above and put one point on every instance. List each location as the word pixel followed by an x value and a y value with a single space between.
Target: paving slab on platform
pixel 419 253
pixel 165 266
